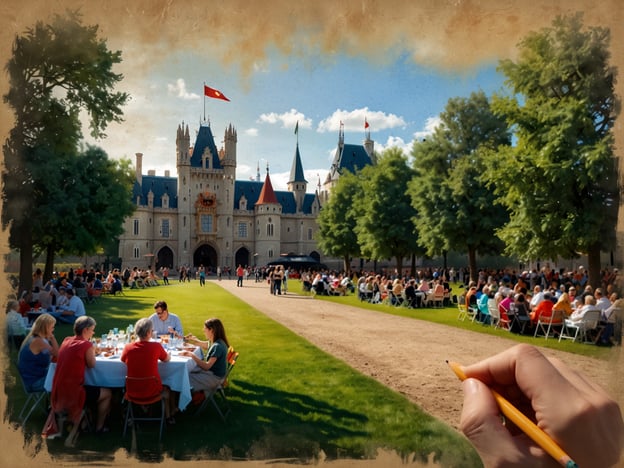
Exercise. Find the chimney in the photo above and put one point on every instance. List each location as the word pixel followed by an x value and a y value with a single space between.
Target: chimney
pixel 139 167
pixel 151 172
pixel 167 173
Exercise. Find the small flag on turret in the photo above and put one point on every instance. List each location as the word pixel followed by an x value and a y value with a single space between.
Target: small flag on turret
pixel 365 123
pixel 297 128
pixel 213 93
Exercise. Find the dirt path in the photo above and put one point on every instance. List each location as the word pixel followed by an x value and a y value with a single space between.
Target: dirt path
pixel 407 355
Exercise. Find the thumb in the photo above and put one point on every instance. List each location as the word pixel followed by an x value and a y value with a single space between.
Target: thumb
pixel 481 422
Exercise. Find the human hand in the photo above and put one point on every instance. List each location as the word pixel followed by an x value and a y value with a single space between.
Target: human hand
pixel 577 414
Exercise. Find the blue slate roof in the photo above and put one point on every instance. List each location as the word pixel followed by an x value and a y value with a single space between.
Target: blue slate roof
pixel 251 189
pixel 159 185
pixel 204 140
pixel 353 158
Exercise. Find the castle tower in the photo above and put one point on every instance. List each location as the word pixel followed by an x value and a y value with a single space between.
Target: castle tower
pixel 268 223
pixel 296 182
pixel 229 155
pixel 185 203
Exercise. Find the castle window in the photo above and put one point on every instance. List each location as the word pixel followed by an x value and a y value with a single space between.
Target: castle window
pixel 309 233
pixel 164 228
pixel 270 253
pixel 270 229
pixel 242 229
pixel 135 227
pixel 206 223
pixel 136 253
pixel 165 201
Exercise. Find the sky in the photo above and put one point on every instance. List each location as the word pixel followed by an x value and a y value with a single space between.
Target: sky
pixel 401 101
pixel 394 63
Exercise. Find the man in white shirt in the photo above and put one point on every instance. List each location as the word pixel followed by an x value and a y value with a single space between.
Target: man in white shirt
pixel 69 312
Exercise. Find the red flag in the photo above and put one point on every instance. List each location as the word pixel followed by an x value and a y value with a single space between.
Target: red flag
pixel 213 93
pixel 365 124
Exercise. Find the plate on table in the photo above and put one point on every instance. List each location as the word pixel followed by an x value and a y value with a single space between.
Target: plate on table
pixel 190 348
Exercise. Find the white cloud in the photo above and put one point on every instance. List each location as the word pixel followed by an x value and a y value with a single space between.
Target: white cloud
pixel 179 90
pixel 354 120
pixel 394 141
pixel 287 119
pixel 430 125
pixel 252 132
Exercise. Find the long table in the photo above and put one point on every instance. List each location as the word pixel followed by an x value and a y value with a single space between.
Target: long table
pixel 111 372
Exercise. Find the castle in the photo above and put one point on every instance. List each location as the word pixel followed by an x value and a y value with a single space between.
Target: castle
pixel 204 216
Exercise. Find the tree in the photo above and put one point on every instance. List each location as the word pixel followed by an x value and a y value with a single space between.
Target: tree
pixel 338 218
pixel 82 217
pixel 560 180
pixel 456 210
pixel 384 227
pixel 56 71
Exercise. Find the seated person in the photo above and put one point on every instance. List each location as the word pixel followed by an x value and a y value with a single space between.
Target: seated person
pixel 164 322
pixel 483 313
pixel 61 299
pixel 610 318
pixel 69 393
pixel 579 313
pixel 35 355
pixel 141 358
pixel 117 285
pixel 16 330
pixel 211 369
pixel 563 304
pixel 519 314
pixel 543 310
pixel 45 299
pixel 413 300
pixel 69 312
pixel 24 303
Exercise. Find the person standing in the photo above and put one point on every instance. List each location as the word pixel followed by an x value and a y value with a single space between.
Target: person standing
pixel 202 275
pixel 165 275
pixel 240 272
pixel 285 280
pixel 164 322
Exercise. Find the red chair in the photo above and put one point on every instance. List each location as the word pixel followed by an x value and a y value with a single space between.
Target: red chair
pixel 143 392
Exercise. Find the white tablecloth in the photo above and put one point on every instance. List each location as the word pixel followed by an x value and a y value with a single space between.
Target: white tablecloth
pixel 111 372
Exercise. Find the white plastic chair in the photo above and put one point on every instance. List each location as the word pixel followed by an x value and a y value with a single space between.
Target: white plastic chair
pixel 573 330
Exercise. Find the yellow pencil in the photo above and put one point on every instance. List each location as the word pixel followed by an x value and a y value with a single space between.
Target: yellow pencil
pixel 525 424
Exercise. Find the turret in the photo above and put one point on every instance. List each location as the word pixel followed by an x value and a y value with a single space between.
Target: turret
pixel 296 182
pixel 183 145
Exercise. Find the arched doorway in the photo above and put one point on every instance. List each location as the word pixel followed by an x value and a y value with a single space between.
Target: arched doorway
pixel 242 257
pixel 315 255
pixel 164 258
pixel 205 255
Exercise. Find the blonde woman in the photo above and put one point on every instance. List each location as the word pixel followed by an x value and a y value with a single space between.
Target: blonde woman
pixel 563 304
pixel 37 351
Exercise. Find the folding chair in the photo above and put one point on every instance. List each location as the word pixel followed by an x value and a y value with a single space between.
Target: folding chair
pixel 581 329
pixel 465 312
pixel 549 326
pixel 494 313
pixel 33 400
pixel 209 395
pixel 134 395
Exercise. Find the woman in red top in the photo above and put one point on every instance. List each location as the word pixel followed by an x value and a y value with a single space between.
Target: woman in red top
pixel 141 358
pixel 68 390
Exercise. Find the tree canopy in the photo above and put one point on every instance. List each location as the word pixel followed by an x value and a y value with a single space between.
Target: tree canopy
pixel 456 210
pixel 560 179
pixel 338 219
pixel 385 227
pixel 56 71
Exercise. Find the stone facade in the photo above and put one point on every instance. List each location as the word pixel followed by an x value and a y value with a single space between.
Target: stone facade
pixel 204 216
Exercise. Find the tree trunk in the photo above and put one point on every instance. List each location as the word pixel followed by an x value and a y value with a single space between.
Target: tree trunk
pixel 49 263
pixel 347 265
pixel 472 263
pixel 593 266
pixel 413 268
pixel 399 259
pixel 26 260
pixel 444 255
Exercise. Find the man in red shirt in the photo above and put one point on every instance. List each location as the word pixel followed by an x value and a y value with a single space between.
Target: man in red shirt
pixel 141 358
pixel 240 272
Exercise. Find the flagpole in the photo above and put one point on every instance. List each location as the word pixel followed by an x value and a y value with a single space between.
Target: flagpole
pixel 204 93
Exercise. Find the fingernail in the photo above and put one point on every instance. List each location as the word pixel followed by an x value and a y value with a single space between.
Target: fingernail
pixel 470 387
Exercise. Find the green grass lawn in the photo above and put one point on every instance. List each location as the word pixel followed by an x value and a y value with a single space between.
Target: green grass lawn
pixel 289 399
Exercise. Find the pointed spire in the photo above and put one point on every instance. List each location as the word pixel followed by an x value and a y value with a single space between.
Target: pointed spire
pixel 267 194
pixel 296 171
